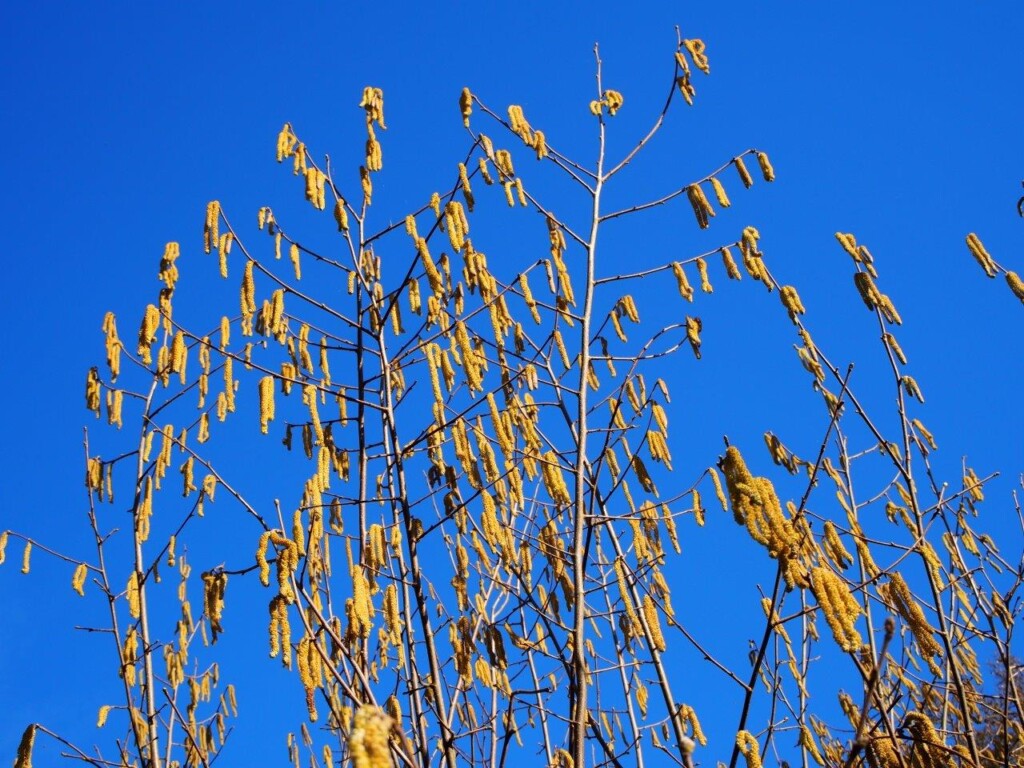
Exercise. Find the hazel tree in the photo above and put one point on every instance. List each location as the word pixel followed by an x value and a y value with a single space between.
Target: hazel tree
pixel 472 564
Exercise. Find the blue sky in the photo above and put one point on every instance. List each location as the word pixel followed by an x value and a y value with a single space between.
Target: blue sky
pixel 903 127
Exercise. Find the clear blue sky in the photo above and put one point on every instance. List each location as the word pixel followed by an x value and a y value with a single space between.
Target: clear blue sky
pixel 904 126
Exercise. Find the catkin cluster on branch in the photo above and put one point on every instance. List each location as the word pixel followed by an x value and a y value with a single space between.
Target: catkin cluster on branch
pixel 756 506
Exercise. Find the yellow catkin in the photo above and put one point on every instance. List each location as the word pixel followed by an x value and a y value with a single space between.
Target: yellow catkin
pixel 132 595
pixel 631 618
pixel 739 481
pixel 902 600
pixel 698 515
pixel 23 758
pixel 910 385
pixel 702 209
pixel 310 671
pixel 839 606
pixel 341 215
pixel 702 270
pixel 466 105
pixel 833 546
pixel 179 355
pixel 368 740
pixel 529 299
pixel 367 185
pixel 113 345
pixel 723 199
pixel 147 333
pixel 214 584
pixel 1016 284
pixel 266 390
pixel 3 546
pixel 731 269
pixel 520 192
pixel 929 750
pixel 92 391
pixel 210 233
pixel 696 50
pixel 741 168
pixel 749 748
pixel 78 579
pixel 791 301
pixel 981 255
pixel 223 249
pixel 225 333
pixel 653 623
pixel 247 298
pixel 293 254
pixel 554 480
pixel 973 485
pixel 614 101
pixel 806 741
pixel 373 103
pixel 685 289
pixel 26 557
pixel 560 345
pixel 693 329
pixel 891 342
pixel 641 698
pixel 766 167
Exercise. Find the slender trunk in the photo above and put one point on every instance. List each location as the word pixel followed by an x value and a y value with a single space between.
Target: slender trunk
pixel 580 710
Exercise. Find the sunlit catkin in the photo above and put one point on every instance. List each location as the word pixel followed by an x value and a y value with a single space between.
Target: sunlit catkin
pixel 749 748
pixel 210 234
pixel 1016 284
pixel 23 758
pixel 293 254
pixel 791 301
pixel 650 611
pixel 981 255
pixel 26 558
pixel 132 595
pixel 702 270
pixel 741 168
pixel 92 391
pixel 373 103
pixel 834 548
pixel 113 345
pixel 731 268
pixel 701 207
pixel 614 101
pixel 741 485
pixel 341 215
pixel 520 192
pixel 560 345
pixel 266 389
pixel 369 737
pixel 910 385
pixel 147 333
pixel 766 167
pixel 839 606
pixel 693 329
pixel 554 480
pixel 723 199
pixel 78 579
pixel 685 289
pixel 466 105
pixel 179 355
pixel 901 599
